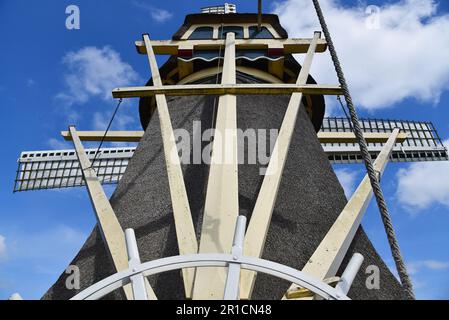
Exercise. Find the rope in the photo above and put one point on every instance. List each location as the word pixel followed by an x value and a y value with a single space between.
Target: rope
pixel 402 271
pixel 107 130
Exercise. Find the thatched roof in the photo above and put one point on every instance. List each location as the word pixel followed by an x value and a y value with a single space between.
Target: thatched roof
pixel 310 199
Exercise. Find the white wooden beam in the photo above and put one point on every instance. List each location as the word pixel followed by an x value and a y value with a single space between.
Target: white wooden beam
pixel 110 228
pixel 261 218
pixel 171 47
pixel 323 137
pixel 327 258
pixel 185 230
pixel 111 136
pixel 221 205
pixel 222 89
pixel 349 137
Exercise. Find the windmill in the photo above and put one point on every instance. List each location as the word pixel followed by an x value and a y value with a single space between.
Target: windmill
pixel 221 229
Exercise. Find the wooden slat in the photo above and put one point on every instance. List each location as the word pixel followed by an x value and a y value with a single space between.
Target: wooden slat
pixel 307 294
pixel 222 89
pixel 327 258
pixel 290 45
pixel 185 231
pixel 323 137
pixel 111 136
pixel 261 218
pixel 221 204
pixel 349 137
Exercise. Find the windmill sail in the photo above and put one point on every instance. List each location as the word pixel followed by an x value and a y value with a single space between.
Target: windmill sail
pixel 60 169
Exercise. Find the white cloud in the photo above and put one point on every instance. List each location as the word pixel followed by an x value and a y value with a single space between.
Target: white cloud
pixel 157 14
pixel 160 15
pixel 423 184
pixel 347 180
pixel 121 121
pixel 2 247
pixel 59 144
pixel 30 82
pixel 94 72
pixel 416 266
pixel 405 57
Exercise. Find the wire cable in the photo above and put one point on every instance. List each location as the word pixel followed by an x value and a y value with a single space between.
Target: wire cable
pixel 106 132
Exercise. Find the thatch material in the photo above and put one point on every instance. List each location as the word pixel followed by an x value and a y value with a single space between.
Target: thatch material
pixel 310 199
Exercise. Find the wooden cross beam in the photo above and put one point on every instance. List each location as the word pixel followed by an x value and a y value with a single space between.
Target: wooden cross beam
pixel 290 46
pixel 349 137
pixel 111 136
pixel 222 89
pixel 323 137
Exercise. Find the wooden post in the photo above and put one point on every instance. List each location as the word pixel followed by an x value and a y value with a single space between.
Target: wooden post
pixel 221 207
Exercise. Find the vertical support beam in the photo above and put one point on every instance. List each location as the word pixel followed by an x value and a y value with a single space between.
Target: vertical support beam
pixel 348 276
pixel 185 231
pixel 138 280
pixel 233 279
pixel 327 258
pixel 261 218
pixel 108 223
pixel 184 68
pixel 221 205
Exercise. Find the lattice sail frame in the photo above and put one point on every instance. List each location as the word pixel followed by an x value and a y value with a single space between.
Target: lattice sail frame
pixel 56 169
pixel 59 168
pixel 422 143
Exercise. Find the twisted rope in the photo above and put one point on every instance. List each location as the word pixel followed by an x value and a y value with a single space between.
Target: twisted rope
pixel 386 219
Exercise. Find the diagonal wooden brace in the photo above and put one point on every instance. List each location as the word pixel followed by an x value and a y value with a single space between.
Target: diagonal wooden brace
pixel 185 231
pixel 110 228
pixel 261 218
pixel 327 258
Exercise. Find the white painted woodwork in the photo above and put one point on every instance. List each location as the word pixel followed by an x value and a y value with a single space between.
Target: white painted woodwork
pixel 185 231
pixel 110 228
pixel 261 218
pixel 327 258
pixel 221 206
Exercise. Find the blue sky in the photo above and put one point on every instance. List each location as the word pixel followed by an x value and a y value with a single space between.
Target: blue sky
pixel 41 231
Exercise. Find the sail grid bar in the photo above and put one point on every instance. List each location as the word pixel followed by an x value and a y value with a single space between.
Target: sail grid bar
pixel 422 144
pixel 60 168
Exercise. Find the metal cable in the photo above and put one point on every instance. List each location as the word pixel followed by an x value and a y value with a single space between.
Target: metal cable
pixel 214 109
pixel 346 114
pixel 401 268
pixel 106 132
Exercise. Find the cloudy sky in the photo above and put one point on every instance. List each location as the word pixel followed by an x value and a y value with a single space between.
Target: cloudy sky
pixel 394 54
